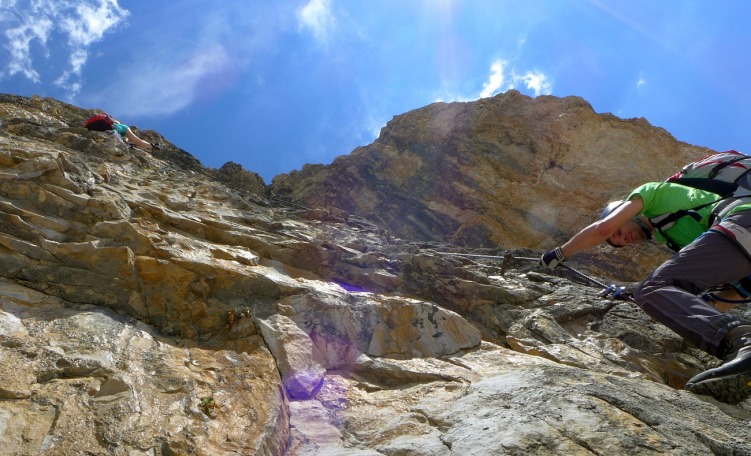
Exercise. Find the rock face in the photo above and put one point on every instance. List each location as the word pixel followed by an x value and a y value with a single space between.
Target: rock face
pixel 152 306
pixel 507 171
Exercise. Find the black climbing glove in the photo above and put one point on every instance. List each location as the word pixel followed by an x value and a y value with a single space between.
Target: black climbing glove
pixel 552 258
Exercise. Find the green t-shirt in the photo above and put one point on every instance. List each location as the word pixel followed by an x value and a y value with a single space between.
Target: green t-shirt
pixel 663 198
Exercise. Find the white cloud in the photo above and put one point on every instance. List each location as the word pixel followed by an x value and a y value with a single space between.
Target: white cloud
pixel 168 85
pixel 91 22
pixel 69 78
pixel 495 82
pixel 81 23
pixel 317 17
pixel 535 81
pixel 641 82
pixel 6 7
pixel 498 81
pixel 19 44
pixel 198 59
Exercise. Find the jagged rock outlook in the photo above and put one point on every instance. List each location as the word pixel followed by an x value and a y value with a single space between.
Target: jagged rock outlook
pixel 152 306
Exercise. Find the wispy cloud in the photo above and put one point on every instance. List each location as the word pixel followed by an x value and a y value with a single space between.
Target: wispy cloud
pixel 495 82
pixel 199 58
pixel 168 85
pixel 19 46
pixel 535 81
pixel 30 22
pixel 501 79
pixel 641 82
pixel 316 16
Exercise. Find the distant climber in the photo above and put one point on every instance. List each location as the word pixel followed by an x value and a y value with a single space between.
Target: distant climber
pixel 105 122
pixel 713 236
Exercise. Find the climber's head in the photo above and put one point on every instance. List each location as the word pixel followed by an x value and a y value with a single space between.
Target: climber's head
pixel 633 231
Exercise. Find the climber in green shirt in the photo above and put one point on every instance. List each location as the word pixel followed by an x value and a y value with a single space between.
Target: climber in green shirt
pixel 713 243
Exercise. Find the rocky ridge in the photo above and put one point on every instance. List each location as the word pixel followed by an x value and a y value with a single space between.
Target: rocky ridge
pixel 507 171
pixel 152 306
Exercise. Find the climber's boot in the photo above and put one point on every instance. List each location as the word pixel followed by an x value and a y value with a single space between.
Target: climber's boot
pixel 731 381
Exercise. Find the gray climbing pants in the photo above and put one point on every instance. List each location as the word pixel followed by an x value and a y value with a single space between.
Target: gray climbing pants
pixel 669 294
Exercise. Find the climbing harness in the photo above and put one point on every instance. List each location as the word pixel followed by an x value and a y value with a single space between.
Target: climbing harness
pixel 607 291
pixel 741 236
pixel 712 294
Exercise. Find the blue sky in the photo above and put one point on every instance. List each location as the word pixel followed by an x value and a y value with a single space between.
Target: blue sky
pixel 273 85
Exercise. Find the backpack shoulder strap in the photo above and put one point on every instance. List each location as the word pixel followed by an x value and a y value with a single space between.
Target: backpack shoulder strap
pixel 665 221
pixel 708 184
pixel 672 245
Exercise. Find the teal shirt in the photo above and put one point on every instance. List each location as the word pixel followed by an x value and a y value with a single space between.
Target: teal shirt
pixel 120 129
pixel 663 198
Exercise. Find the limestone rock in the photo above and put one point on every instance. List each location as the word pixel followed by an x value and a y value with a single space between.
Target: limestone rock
pixel 234 175
pixel 152 306
pixel 500 172
pixel 297 357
